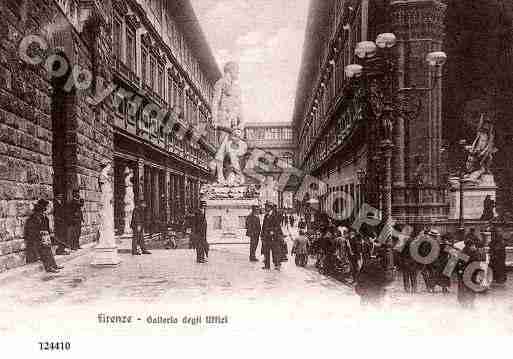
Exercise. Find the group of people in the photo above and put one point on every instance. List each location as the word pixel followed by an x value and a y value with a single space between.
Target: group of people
pixel 270 232
pixel 68 218
pixel 437 272
pixel 432 273
pixel 357 258
pixel 351 256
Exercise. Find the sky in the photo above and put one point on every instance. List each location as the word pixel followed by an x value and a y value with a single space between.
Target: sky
pixel 266 38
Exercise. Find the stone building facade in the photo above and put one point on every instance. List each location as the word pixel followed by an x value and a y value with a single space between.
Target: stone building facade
pixel 333 121
pixel 65 112
pixel 276 139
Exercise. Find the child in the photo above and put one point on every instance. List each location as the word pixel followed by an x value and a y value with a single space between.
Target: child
pixel 299 249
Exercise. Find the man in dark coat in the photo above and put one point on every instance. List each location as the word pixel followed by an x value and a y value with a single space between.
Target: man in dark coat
pixel 488 206
pixel 498 256
pixel 253 232
pixel 467 295
pixel 439 265
pixel 75 220
pixel 37 235
pixel 271 238
pixel 409 268
pixel 199 236
pixel 61 221
pixel 137 225
pixel 472 237
pixel 371 283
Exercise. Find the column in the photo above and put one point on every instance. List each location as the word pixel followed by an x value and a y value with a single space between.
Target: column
pixel 185 189
pixel 140 180
pixel 156 195
pixel 167 194
pixel 419 27
pixel 172 198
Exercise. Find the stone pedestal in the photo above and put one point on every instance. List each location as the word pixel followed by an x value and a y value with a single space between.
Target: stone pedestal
pixel 226 220
pixel 473 197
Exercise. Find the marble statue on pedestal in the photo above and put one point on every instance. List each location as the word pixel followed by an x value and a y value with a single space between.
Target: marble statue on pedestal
pixel 228 121
pixel 106 251
pixel 107 211
pixel 481 152
pixel 230 199
pixel 128 201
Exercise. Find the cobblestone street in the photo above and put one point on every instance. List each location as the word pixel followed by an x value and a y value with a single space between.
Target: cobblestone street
pixel 170 283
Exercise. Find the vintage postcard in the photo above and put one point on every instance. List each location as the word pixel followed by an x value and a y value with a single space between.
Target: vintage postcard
pixel 284 169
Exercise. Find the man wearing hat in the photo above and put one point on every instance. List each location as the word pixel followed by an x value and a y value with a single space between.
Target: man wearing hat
pixel 75 220
pixel 443 280
pixel 37 235
pixel 271 238
pixel 428 270
pixel 253 232
pixel 61 221
pixel 137 225
pixel 199 234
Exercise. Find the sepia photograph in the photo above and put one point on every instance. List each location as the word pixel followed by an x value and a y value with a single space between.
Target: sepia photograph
pixel 298 171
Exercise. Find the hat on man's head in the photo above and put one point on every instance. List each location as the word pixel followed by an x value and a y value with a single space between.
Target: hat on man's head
pixel 445 239
pixel 433 232
pixel 371 215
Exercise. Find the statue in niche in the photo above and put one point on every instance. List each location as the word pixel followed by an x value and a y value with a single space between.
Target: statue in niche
pixel 107 211
pixel 128 201
pixel 228 120
pixel 481 151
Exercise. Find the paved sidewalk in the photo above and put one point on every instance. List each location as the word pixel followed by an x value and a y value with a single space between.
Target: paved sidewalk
pixel 169 282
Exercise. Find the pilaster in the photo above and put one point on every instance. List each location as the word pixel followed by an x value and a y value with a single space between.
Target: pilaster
pixel 419 27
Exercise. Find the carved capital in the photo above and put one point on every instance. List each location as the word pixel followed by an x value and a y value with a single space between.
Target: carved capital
pixel 147 39
pixel 94 14
pixel 133 21
pixel 418 19
pixel 120 6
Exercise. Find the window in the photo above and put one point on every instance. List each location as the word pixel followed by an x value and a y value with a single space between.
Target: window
pixel 160 81
pixel 117 33
pixel 153 65
pixel 176 94
pixel 179 97
pixel 144 65
pixel 170 99
pixel 131 55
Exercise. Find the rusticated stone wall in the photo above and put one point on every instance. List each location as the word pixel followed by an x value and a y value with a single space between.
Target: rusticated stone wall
pixel 25 135
pixel 28 167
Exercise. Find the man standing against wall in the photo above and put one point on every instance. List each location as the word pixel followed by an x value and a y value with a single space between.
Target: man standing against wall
pixel 76 219
pixel 253 232
pixel 61 220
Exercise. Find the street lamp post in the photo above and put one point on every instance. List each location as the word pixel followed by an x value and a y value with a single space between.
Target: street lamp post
pixel 361 174
pixel 379 70
pixel 461 222
pixel 379 83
